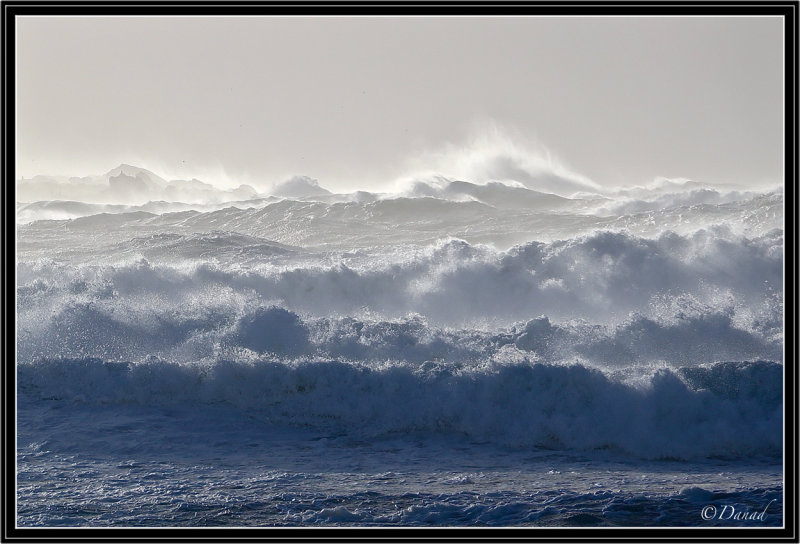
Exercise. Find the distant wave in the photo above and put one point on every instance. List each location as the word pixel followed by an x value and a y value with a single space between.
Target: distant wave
pixel 501 183
pixel 687 198
pixel 125 185
pixel 59 210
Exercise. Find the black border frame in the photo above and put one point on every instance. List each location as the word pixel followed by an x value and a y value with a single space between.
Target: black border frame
pixel 10 9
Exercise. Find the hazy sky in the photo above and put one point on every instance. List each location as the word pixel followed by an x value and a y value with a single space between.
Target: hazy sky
pixel 359 102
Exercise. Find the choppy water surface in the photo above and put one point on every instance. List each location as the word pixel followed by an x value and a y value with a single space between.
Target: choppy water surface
pixel 457 355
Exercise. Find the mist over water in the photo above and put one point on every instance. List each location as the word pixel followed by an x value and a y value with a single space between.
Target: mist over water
pixel 523 312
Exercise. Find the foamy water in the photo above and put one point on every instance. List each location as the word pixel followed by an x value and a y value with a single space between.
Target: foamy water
pixel 452 354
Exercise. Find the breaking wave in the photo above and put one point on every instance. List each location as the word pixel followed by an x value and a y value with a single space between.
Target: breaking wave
pixel 714 280
pixel 726 409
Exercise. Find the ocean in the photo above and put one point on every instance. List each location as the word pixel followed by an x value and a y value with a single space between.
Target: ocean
pixel 453 354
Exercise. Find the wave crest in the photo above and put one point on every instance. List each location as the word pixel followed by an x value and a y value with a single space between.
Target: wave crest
pixel 681 414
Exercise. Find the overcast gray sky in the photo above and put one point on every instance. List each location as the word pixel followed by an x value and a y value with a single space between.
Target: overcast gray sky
pixel 359 102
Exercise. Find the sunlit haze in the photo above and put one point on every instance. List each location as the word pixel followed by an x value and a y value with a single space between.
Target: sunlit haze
pixel 366 103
